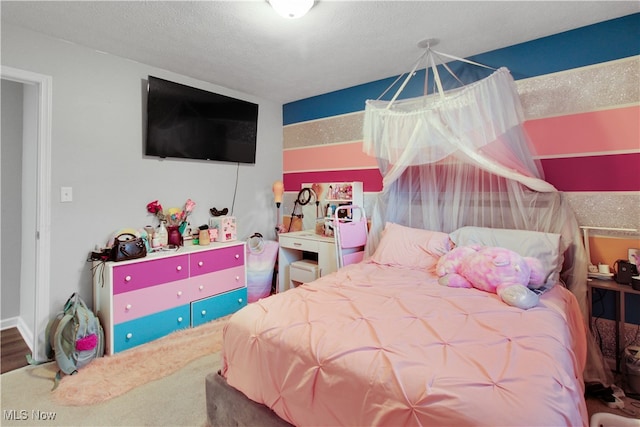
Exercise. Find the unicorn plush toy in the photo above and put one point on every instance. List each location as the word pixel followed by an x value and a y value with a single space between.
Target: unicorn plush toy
pixel 493 269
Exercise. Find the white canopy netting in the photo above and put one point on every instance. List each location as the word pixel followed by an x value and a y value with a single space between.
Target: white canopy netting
pixel 462 158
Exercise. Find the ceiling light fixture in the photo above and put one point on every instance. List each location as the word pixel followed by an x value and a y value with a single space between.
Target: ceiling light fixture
pixel 291 9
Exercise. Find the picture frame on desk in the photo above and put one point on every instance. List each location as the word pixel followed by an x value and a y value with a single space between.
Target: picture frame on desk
pixel 634 257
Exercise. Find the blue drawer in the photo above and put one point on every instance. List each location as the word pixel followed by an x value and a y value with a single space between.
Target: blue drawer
pixel 148 328
pixel 208 309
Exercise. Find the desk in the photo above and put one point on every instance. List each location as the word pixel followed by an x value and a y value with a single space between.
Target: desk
pixel 292 248
pixel 622 290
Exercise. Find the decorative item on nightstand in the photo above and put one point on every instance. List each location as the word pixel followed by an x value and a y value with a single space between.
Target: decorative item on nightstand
pixel 226 227
pixel 624 271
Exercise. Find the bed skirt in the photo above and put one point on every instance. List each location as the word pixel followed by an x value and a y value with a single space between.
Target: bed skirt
pixel 226 406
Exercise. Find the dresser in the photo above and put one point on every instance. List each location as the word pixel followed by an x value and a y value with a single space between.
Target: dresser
pixel 141 300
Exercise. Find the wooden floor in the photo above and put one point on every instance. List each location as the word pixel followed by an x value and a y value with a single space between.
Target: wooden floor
pixel 13 350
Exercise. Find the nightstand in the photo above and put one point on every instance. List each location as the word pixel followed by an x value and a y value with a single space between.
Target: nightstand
pixel 622 290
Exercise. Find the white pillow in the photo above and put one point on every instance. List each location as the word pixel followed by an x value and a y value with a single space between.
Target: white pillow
pixel 544 246
pixel 408 247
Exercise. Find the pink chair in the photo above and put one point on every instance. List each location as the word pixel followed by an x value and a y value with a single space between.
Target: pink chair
pixel 350 228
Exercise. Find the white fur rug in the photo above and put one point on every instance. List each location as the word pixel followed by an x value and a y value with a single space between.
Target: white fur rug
pixel 111 376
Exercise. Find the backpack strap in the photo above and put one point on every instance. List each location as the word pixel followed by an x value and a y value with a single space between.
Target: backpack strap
pixel 64 344
pixel 71 303
pixel 32 361
pixel 57 378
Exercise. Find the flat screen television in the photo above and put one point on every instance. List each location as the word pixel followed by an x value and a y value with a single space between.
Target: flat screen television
pixel 186 122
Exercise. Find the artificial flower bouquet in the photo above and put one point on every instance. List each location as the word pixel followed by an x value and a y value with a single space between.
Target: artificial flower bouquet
pixel 173 216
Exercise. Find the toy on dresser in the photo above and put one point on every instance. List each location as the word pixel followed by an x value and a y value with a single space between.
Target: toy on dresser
pixel 225 227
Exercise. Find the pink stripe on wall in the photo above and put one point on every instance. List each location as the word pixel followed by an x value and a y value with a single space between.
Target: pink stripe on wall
pixel 620 172
pixel 593 132
pixel 370 178
pixel 327 157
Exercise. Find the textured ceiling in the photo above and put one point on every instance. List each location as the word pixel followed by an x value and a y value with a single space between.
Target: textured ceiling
pixel 246 46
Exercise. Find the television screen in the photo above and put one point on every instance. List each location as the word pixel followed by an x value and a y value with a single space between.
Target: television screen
pixel 186 122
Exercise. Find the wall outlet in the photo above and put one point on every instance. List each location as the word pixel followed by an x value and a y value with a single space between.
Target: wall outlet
pixel 66 194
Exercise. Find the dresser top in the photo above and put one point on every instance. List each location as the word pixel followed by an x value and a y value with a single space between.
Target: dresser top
pixel 182 250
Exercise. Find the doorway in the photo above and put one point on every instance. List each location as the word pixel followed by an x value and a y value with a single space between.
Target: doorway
pixel 35 210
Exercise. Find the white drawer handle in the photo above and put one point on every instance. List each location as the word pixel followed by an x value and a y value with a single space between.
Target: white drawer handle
pixel 128 306
pixel 179 268
pixel 129 335
pixel 240 300
pixel 237 278
pixel 237 256
pixel 204 312
pixel 200 264
pixel 179 319
pixel 179 293
pixel 201 287
pixel 297 244
pixel 127 279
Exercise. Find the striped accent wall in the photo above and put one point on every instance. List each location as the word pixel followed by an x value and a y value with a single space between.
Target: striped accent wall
pixel 582 109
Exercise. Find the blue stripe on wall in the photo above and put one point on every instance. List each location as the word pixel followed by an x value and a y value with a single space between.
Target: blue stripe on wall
pixel 605 41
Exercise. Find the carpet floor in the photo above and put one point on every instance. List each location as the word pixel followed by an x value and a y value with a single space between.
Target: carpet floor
pixel 161 383
pixel 175 400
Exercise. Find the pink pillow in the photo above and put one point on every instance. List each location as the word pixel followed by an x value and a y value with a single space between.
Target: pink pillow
pixel 407 247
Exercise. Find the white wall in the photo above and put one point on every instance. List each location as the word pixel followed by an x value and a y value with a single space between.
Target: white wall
pixel 97 131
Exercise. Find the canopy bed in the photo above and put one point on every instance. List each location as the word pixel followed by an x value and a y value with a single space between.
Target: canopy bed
pixel 381 342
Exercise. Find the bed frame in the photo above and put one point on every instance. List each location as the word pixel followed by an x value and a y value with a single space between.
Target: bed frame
pixel 226 406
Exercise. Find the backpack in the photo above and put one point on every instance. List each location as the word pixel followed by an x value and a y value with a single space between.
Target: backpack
pixel 74 338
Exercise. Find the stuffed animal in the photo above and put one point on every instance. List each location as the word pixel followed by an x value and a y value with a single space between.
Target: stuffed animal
pixel 493 269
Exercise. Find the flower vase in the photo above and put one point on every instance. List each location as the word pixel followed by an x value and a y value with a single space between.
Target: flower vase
pixel 175 237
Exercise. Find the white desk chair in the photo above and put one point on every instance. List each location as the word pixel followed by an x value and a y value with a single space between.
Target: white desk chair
pixel 350 234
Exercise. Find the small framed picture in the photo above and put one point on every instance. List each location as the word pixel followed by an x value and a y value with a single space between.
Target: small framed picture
pixel 634 257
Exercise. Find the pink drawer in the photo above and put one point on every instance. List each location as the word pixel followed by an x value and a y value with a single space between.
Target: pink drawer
pixel 143 274
pixel 206 285
pixel 142 302
pixel 219 259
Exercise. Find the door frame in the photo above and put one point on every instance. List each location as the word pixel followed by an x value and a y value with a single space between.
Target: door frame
pixel 43 202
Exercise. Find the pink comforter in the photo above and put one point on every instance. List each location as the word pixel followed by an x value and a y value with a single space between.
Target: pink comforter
pixel 375 345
